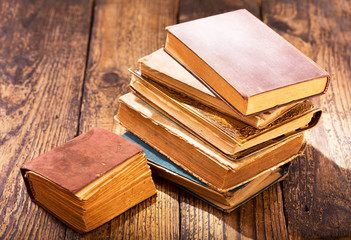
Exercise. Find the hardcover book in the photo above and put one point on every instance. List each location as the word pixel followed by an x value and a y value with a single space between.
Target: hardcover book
pixel 228 201
pixel 90 179
pixel 225 133
pixel 244 61
pixel 200 159
pixel 162 68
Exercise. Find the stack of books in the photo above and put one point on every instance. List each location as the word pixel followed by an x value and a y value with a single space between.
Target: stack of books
pixel 221 110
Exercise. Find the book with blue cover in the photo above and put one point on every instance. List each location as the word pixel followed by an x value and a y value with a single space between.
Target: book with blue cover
pixel 228 201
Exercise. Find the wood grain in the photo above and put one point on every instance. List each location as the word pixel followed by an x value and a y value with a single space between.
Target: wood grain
pixel 122 32
pixel 42 63
pixel 260 218
pixel 190 10
pixel 317 192
pixel 43 82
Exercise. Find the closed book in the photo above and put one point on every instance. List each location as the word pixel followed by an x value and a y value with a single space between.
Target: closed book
pixel 228 134
pixel 90 179
pixel 162 68
pixel 202 160
pixel 244 61
pixel 228 201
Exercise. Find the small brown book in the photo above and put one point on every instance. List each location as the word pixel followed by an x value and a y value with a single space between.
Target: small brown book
pixel 90 179
pixel 244 61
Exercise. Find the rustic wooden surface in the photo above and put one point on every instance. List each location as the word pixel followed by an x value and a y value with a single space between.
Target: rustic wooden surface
pixel 122 31
pixel 63 65
pixel 43 51
pixel 317 193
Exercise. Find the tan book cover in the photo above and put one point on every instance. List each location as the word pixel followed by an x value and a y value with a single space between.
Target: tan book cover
pixel 225 133
pixel 162 68
pixel 197 157
pixel 90 179
pixel 244 61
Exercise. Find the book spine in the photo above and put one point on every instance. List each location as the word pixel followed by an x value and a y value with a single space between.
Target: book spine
pixel 28 184
pixel 327 84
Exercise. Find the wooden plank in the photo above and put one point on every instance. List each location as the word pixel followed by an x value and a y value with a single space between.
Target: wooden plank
pixel 260 218
pixel 205 8
pixel 317 193
pixel 42 63
pixel 124 31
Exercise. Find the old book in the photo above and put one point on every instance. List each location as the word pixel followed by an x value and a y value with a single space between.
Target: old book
pixel 202 160
pixel 228 201
pixel 90 179
pixel 244 61
pixel 225 133
pixel 162 68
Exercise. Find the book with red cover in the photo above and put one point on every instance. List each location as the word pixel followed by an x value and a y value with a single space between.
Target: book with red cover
pixel 244 61
pixel 90 179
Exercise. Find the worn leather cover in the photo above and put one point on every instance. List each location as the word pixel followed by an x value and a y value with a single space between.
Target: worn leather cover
pixel 246 53
pixel 83 159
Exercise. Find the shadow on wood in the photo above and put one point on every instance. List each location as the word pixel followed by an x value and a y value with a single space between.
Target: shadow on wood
pixel 317 196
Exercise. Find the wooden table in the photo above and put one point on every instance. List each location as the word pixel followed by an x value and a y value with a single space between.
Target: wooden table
pixel 63 65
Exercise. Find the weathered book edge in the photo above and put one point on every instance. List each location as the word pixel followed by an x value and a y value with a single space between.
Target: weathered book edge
pixel 215 187
pixel 32 196
pixel 259 123
pixel 167 168
pixel 28 184
pixel 314 120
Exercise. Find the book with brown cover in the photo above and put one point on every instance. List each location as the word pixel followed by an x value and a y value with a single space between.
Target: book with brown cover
pixel 228 201
pixel 162 68
pixel 244 61
pixel 200 159
pixel 225 133
pixel 90 179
